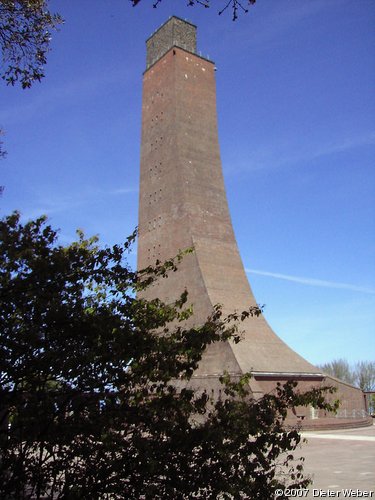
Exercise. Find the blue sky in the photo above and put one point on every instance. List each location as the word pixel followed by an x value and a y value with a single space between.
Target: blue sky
pixel 296 110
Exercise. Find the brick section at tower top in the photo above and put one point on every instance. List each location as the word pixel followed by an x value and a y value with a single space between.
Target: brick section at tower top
pixel 173 33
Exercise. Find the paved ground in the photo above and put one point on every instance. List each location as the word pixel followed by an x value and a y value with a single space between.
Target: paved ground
pixel 340 460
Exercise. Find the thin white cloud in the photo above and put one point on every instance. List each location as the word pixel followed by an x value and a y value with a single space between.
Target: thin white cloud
pixel 57 204
pixel 48 99
pixel 341 145
pixel 272 25
pixel 284 155
pixel 312 281
pixel 120 191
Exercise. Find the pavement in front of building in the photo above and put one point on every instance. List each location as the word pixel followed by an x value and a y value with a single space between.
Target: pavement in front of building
pixel 341 463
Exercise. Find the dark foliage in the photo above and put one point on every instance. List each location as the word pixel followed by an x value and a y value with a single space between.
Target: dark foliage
pixel 25 34
pixel 88 404
pixel 235 6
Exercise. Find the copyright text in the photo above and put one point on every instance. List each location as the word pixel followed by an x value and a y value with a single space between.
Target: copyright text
pixel 318 493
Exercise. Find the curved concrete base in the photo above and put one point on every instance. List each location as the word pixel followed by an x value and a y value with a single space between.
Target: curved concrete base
pixel 329 424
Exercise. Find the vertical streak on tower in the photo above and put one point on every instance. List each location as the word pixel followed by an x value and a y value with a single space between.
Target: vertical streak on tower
pixel 182 203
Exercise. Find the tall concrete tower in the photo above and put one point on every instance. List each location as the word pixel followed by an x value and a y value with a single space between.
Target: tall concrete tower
pixel 182 204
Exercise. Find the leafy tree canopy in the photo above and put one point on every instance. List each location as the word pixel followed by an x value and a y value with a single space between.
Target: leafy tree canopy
pixel 25 34
pixel 89 404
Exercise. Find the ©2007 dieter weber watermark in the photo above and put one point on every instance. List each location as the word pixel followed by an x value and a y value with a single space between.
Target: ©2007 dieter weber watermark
pixel 319 493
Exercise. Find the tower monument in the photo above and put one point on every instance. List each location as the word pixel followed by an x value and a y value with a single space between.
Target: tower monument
pixel 182 204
